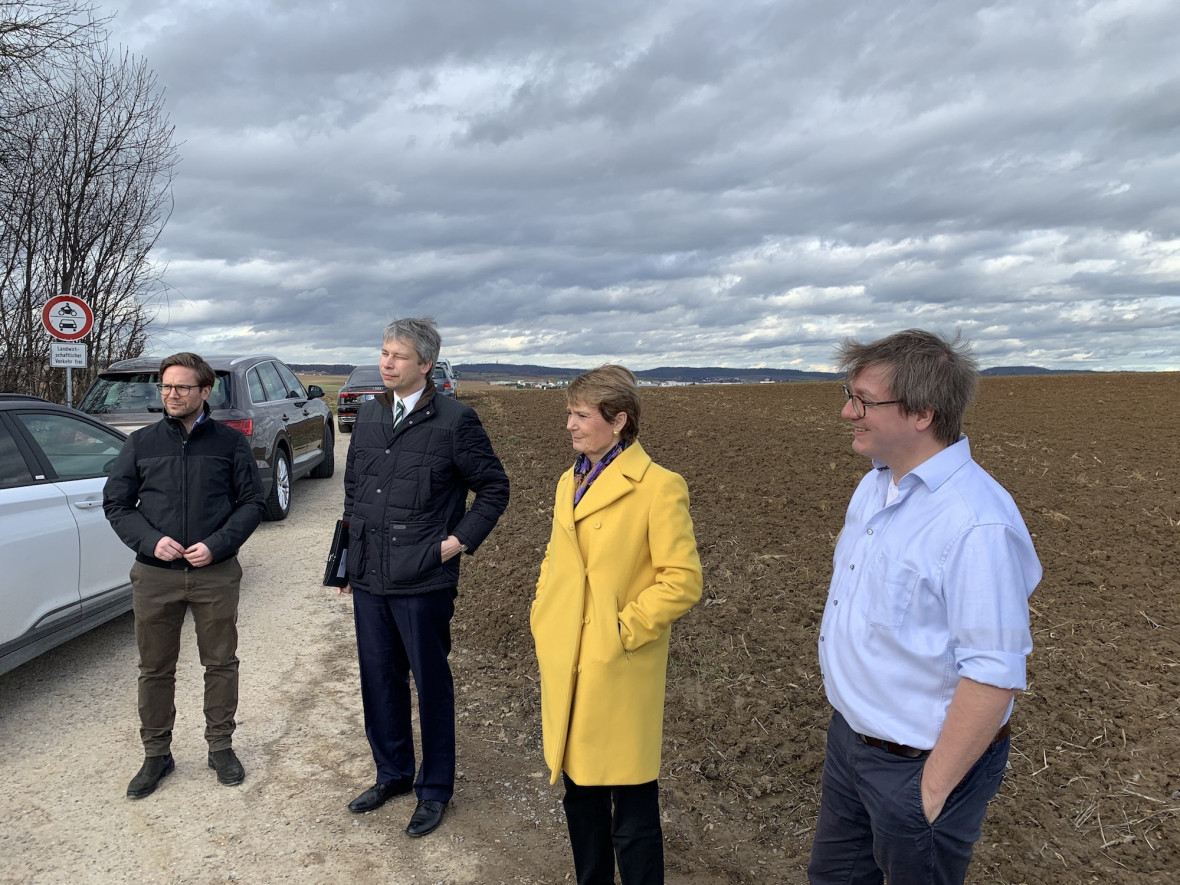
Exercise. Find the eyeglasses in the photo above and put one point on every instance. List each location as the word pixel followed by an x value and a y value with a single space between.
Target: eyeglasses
pixel 859 405
pixel 182 389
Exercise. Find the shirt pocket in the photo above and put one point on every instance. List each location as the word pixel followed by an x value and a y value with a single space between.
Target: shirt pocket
pixel 891 588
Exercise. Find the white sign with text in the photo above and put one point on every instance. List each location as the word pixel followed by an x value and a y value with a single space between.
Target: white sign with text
pixel 69 356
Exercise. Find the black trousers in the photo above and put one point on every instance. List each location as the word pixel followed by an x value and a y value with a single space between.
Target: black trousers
pixel 630 832
pixel 396 637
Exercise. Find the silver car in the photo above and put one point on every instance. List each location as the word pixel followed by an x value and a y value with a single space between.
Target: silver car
pixel 65 570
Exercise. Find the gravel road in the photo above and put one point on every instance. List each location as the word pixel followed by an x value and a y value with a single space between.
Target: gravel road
pixel 69 742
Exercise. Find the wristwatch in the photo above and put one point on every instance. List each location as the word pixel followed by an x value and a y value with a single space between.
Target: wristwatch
pixel 462 547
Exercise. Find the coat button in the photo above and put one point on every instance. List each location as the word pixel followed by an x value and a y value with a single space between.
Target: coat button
pixel 585 620
pixel 598 525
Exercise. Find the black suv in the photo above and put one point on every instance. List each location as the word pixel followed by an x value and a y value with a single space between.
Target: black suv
pixel 364 383
pixel 289 427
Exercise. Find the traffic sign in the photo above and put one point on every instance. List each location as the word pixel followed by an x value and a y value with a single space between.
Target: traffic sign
pixel 67 317
pixel 67 356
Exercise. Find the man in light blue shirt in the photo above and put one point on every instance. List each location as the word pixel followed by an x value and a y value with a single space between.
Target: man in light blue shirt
pixel 926 630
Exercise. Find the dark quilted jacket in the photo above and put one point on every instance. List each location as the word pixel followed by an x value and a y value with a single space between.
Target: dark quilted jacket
pixel 405 491
pixel 198 487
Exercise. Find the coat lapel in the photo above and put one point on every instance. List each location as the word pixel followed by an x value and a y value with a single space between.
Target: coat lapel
pixel 617 480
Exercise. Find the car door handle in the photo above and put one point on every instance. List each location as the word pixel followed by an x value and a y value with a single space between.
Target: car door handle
pixel 87 505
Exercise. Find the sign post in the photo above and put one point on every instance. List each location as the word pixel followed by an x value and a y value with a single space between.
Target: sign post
pixel 68 319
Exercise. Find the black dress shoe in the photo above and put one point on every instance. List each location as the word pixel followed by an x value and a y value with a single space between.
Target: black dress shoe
pixel 378 794
pixel 427 816
pixel 148 778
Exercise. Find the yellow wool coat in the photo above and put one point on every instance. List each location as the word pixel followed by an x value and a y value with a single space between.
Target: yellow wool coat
pixel 618 570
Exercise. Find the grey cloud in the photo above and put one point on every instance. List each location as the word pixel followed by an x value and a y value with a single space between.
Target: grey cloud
pixel 675 180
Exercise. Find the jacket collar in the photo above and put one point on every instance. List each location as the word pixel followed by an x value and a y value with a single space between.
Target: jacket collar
pixel 178 425
pixel 386 398
pixel 619 478
pixel 423 409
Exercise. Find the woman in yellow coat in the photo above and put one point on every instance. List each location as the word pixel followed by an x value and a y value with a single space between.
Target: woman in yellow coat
pixel 621 565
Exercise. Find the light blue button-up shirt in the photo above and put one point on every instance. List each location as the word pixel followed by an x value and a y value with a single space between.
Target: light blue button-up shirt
pixel 927 589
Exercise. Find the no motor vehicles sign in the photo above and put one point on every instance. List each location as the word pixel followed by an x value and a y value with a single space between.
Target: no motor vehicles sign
pixel 67 317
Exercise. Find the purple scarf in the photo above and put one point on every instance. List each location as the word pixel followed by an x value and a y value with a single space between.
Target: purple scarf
pixel 585 473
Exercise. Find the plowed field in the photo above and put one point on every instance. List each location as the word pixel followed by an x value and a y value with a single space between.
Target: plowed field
pixel 1093 793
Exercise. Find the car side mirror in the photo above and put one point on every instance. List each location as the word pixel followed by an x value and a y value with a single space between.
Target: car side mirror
pixel 315 391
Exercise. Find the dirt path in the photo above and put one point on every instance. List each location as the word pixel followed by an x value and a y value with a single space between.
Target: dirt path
pixel 68 738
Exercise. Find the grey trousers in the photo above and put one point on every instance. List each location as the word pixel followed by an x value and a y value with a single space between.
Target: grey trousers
pixel 160 598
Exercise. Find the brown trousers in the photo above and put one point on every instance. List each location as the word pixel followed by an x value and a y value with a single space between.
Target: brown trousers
pixel 160 598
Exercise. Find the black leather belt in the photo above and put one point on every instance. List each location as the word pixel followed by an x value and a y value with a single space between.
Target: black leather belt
pixel 914 752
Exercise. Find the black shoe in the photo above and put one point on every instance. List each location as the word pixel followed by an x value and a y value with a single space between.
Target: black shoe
pixel 150 773
pixel 229 769
pixel 378 794
pixel 427 816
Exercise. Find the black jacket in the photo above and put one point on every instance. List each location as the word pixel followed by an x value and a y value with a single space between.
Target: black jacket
pixel 198 487
pixel 405 491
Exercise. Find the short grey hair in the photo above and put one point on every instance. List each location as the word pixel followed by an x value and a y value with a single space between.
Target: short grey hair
pixel 419 332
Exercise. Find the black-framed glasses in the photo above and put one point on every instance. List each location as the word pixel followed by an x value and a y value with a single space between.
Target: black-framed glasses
pixel 859 404
pixel 182 389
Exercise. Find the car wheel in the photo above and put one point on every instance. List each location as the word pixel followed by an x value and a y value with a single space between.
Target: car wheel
pixel 328 466
pixel 278 505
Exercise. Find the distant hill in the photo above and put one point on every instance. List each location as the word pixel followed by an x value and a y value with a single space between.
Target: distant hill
pixel 690 374
pixel 1033 370
pixel 708 374
pixel 322 369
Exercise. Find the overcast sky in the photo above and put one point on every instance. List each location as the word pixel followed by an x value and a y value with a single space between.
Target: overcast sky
pixel 671 183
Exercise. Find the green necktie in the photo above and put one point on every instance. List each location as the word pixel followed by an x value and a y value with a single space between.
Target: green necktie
pixel 399 413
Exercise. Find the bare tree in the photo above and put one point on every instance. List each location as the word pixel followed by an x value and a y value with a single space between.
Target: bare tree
pixel 86 194
pixel 41 29
pixel 37 39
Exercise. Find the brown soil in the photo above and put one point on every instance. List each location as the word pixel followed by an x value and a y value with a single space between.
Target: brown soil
pixel 1093 791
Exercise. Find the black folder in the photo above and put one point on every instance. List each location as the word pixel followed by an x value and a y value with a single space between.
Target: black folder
pixel 336 571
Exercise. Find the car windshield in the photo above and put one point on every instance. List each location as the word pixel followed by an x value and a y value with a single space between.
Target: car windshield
pixel 365 376
pixel 136 392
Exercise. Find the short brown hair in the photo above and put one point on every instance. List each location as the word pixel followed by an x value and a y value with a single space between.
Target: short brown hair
pixel 925 371
pixel 206 377
pixel 610 389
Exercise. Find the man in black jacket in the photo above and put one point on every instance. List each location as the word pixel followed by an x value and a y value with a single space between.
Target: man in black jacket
pixel 185 494
pixel 413 459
